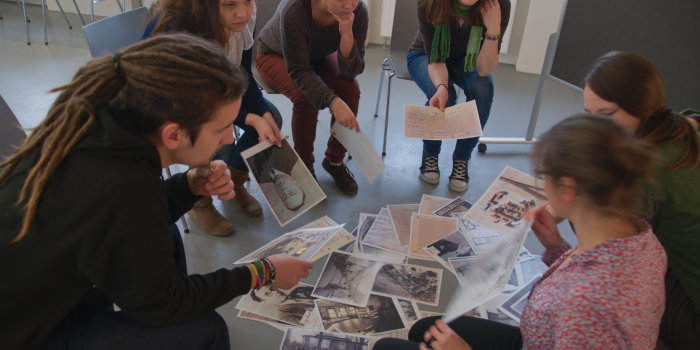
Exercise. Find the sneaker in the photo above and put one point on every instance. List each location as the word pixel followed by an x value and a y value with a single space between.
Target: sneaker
pixel 459 180
pixel 343 177
pixel 429 171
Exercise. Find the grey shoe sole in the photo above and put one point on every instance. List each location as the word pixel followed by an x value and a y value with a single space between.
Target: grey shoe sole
pixel 428 180
pixel 458 188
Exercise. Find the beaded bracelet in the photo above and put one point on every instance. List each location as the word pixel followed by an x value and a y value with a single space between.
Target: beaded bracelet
pixel 271 267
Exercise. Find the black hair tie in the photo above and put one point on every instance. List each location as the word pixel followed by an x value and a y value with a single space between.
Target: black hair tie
pixel 117 68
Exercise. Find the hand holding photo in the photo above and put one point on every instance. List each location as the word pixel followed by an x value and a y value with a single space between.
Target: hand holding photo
pixel 286 184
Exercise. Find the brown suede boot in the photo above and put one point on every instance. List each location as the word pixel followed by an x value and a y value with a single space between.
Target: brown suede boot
pixel 249 205
pixel 205 214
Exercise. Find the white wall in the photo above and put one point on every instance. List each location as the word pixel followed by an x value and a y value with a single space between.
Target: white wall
pixel 104 8
pixel 542 20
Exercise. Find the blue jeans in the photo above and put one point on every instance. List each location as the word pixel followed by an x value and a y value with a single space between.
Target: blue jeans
pixel 231 154
pixel 475 88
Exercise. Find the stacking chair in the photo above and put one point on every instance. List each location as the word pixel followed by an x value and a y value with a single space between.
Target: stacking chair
pixel 108 35
pixel 402 33
pixel 11 133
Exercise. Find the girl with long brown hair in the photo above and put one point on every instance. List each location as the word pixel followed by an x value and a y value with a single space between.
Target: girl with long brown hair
pixel 311 51
pixel 456 44
pixel 86 217
pixel 629 89
pixel 230 23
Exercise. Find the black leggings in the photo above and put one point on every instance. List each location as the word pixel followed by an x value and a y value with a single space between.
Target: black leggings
pixel 680 324
pixel 479 333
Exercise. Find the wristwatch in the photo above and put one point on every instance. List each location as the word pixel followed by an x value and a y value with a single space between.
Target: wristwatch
pixel 492 37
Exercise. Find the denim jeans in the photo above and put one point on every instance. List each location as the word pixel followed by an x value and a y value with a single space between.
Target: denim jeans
pixel 231 154
pixel 475 88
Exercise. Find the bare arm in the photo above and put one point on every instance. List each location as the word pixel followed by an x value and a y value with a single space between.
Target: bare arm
pixel 488 55
pixel 438 74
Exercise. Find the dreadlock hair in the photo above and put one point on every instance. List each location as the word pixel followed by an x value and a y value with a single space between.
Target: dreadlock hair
pixel 633 83
pixel 198 17
pixel 606 162
pixel 170 78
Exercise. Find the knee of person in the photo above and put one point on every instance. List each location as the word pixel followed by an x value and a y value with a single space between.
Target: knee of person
pixel 276 115
pixel 213 327
pixel 384 344
pixel 417 331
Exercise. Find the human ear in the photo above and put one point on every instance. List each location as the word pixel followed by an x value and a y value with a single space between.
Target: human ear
pixel 173 136
pixel 566 186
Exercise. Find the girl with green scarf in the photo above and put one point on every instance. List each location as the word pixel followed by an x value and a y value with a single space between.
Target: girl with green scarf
pixel 457 44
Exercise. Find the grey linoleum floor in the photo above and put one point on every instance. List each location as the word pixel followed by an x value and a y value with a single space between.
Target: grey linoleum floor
pixel 28 72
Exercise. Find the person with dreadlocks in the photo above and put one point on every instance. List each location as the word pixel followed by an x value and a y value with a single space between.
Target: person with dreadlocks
pixel 456 44
pixel 85 215
pixel 230 23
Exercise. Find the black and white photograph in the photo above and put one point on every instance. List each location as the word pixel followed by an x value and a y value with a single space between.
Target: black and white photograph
pixel 379 316
pixel 294 306
pixel 302 243
pixel 457 205
pixel 490 310
pixel 532 268
pixel 286 184
pixel 514 305
pixel 346 279
pixel 308 339
pixel 369 252
pixel 260 318
pixel 412 282
pixel 408 310
pixel 454 245
pixel 461 266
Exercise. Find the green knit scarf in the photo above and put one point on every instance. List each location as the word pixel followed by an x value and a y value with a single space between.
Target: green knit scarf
pixel 440 49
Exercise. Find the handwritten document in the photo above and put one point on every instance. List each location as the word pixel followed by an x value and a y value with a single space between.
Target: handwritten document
pixel 429 123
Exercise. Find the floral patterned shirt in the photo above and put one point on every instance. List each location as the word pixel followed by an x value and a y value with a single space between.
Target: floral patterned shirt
pixel 609 297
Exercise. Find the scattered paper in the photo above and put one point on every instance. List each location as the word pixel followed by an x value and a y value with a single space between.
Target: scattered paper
pixel 361 149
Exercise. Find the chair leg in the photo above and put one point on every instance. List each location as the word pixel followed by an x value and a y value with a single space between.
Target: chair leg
pixel 92 11
pixel 26 21
pixel 381 81
pixel 19 4
pixel 121 8
pixel 43 12
pixel 386 117
pixel 77 10
pixel 64 15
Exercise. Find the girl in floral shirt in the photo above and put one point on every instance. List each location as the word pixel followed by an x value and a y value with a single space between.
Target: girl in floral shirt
pixel 605 293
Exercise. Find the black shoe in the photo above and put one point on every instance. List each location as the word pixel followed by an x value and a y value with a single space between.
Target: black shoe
pixel 344 179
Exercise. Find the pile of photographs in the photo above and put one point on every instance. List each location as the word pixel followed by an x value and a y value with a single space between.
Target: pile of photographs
pixel 368 290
